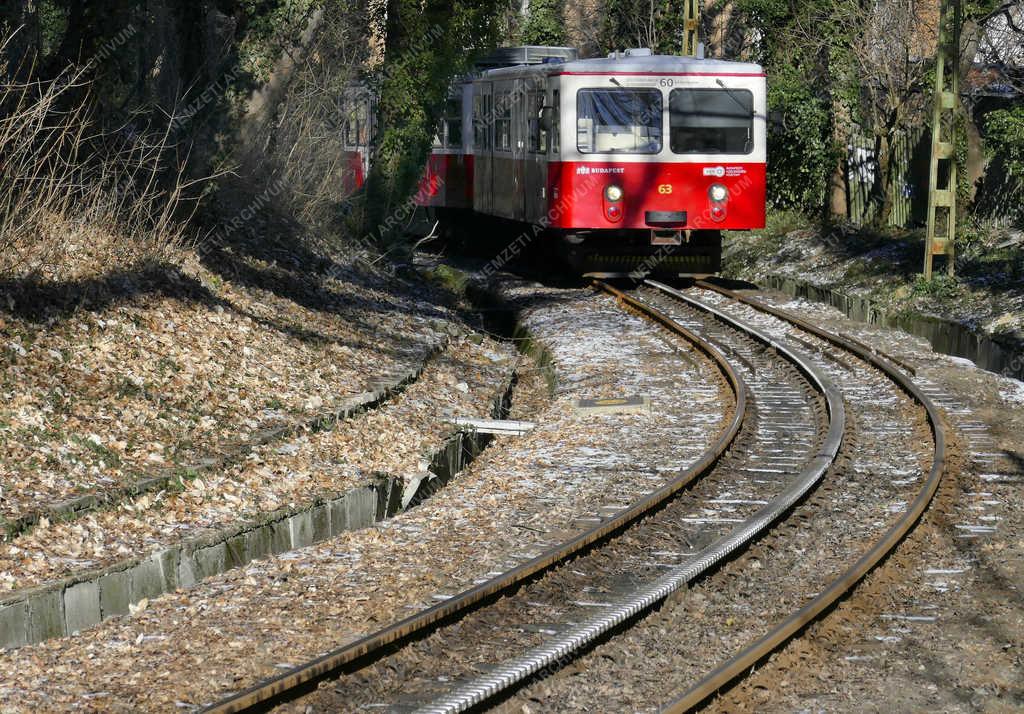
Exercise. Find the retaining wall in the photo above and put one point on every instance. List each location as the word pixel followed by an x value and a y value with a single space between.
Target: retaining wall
pixel 63 607
pixel 1004 357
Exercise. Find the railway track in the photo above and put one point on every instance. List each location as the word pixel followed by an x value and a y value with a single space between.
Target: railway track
pixel 699 661
pixel 299 680
pixel 753 652
pixel 785 433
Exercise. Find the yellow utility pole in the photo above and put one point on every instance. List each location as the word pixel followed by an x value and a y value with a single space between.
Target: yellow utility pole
pixel 691 27
pixel 940 239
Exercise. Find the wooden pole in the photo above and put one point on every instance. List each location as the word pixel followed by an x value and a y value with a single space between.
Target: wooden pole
pixel 691 27
pixel 942 184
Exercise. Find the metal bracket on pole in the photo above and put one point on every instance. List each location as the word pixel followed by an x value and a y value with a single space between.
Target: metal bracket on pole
pixel 691 27
pixel 942 198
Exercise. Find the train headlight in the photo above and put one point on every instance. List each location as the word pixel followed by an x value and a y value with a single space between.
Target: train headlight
pixel 613 193
pixel 718 193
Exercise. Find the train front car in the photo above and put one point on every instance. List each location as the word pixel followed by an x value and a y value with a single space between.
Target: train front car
pixel 658 156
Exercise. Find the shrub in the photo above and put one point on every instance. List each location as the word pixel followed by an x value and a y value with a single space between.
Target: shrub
pixel 1004 143
pixel 1005 138
pixel 76 201
pixel 544 24
pixel 800 152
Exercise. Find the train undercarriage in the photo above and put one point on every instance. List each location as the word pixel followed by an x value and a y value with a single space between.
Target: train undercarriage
pixel 604 253
pixel 592 253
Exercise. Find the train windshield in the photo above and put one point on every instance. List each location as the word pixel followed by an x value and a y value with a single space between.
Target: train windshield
pixel 711 121
pixel 618 121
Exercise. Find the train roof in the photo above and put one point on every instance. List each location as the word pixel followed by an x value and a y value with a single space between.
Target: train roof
pixel 651 64
pixel 525 54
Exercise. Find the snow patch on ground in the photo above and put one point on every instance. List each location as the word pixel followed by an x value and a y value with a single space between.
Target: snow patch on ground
pixel 1013 393
pixel 962 362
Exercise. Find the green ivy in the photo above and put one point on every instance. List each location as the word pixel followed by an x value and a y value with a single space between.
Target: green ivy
pixel 544 23
pixel 940 286
pixel 1004 138
pixel 429 43
pixel 270 27
pixel 53 24
pixel 801 156
pixel 632 23
pixel 801 93
pixel 1004 144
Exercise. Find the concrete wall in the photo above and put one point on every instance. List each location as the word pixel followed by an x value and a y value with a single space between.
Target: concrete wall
pixel 84 600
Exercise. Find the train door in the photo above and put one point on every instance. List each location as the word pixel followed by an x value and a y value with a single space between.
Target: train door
pixel 505 180
pixel 468 109
pixel 483 148
pixel 520 188
pixel 537 110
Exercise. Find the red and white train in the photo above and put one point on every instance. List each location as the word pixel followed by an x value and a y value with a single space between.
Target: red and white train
pixel 624 163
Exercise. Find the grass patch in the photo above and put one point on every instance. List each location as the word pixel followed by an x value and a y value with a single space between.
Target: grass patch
pixel 125 388
pixel 454 281
pixel 940 286
pixel 106 454
pixel 779 223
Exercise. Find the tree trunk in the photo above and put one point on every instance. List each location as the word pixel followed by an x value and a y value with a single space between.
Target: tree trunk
pixel 976 161
pixel 885 177
pixel 838 198
pixel 264 100
pixel 720 14
pixel 583 18
pixel 838 208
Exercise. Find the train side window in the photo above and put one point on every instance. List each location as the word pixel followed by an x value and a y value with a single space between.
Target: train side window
pixel 489 120
pixel 352 130
pixel 453 120
pixel 503 121
pixel 536 129
pixel 556 122
pixel 482 120
pixel 479 123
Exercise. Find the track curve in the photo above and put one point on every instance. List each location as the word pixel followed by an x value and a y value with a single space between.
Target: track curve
pixel 748 657
pixel 516 670
pixel 298 680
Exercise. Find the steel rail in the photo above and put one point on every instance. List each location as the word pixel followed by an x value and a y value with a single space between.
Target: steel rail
pixel 554 652
pixel 782 632
pixel 260 694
